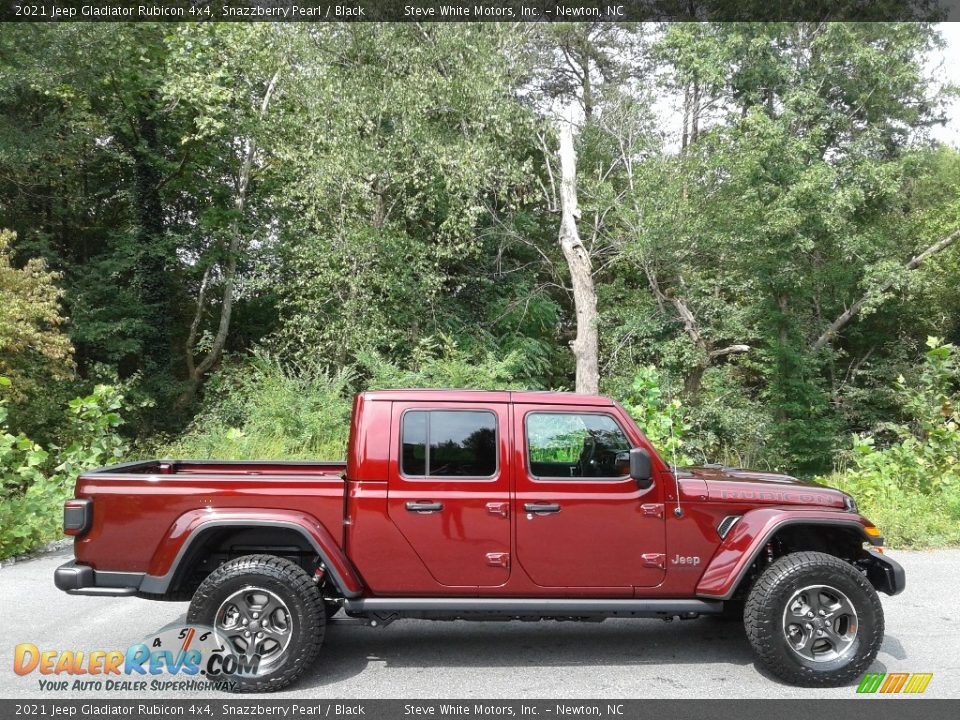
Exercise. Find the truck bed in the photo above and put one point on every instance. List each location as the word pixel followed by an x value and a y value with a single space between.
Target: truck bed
pixel 142 509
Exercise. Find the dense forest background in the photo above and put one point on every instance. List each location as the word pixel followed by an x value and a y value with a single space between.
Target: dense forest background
pixel 213 235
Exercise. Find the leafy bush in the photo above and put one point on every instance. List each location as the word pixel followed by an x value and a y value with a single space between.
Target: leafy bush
pixel 33 344
pixel 263 409
pixel 725 425
pixel 266 409
pixel 730 426
pixel 440 363
pixel 662 419
pixel 906 476
pixel 35 481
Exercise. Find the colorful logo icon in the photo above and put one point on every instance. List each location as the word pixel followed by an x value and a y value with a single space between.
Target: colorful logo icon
pixel 913 683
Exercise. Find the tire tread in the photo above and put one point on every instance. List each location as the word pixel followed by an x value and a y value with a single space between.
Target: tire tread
pixel 297 581
pixel 763 626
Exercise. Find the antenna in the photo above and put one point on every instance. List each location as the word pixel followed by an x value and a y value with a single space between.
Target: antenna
pixel 677 511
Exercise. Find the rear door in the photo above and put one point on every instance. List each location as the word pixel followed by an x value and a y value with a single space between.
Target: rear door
pixel 582 522
pixel 449 491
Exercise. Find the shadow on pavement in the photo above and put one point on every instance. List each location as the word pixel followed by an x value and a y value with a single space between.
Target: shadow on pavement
pixel 349 650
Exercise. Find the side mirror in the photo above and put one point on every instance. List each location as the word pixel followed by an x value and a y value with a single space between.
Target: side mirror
pixel 641 468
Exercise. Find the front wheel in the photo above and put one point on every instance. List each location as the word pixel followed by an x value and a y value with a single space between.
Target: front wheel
pixel 814 620
pixel 266 610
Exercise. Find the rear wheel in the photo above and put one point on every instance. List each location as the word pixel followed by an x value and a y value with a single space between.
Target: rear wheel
pixel 814 620
pixel 264 609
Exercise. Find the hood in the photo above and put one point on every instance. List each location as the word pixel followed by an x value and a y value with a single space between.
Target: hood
pixel 753 487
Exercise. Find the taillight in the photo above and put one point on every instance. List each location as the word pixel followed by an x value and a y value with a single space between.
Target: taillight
pixel 77 514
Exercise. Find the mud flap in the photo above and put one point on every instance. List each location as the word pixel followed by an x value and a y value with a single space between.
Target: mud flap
pixel 886 575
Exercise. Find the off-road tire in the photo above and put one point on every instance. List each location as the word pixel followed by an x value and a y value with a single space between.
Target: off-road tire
pixel 298 592
pixel 764 619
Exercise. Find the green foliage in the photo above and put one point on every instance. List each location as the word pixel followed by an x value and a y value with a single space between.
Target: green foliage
pixel 725 426
pixel 36 352
pixel 439 363
pixel 33 344
pixel 399 228
pixel 915 466
pixel 264 409
pixel 803 432
pixel 729 425
pixel 662 418
pixel 415 144
pixel 35 481
pixel 909 519
pixel 93 430
pixel 86 148
pixel 785 205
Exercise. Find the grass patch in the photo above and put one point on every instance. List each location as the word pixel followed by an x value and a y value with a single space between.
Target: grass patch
pixel 264 411
pixel 907 518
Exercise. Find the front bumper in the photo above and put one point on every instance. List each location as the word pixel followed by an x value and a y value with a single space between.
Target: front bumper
pixel 76 579
pixel 885 574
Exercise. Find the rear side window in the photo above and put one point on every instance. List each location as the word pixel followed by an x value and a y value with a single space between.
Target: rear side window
pixel 448 443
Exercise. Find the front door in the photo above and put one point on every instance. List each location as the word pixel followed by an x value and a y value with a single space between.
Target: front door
pixel 581 520
pixel 449 490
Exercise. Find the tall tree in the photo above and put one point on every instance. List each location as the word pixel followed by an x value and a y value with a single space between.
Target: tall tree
pixel 233 109
pixel 92 149
pixel 777 218
pixel 395 175
pixel 585 346
pixel 581 67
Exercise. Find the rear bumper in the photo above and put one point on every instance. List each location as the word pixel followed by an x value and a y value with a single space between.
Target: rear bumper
pixel 885 574
pixel 76 579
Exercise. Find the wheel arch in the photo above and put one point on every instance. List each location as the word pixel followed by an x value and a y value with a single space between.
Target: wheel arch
pixel 193 538
pixel 793 531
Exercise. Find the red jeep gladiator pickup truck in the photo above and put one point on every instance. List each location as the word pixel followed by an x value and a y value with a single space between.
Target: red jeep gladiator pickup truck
pixel 485 505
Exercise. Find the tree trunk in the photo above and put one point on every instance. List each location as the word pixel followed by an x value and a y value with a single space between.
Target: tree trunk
pixel 195 370
pixel 695 113
pixel 152 278
pixel 708 354
pixel 585 344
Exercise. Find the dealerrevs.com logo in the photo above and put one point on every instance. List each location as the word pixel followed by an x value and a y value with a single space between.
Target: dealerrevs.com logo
pixel 177 658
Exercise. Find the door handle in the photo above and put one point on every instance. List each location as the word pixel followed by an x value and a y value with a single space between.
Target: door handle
pixel 499 508
pixel 652 510
pixel 424 507
pixel 541 507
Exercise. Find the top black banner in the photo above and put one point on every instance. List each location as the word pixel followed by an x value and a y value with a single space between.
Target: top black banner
pixel 477 11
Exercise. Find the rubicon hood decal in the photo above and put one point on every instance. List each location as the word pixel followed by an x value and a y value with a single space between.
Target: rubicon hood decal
pixel 736 485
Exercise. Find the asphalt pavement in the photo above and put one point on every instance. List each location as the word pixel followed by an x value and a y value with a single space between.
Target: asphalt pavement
pixel 416 659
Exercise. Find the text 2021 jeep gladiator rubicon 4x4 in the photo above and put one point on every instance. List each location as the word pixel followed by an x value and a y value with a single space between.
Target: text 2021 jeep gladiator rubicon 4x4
pixel 482 505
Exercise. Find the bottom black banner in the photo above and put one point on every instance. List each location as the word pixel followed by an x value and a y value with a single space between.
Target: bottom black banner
pixel 264 707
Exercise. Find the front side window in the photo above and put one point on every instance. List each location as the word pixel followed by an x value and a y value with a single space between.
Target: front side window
pixel 576 445
pixel 449 443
